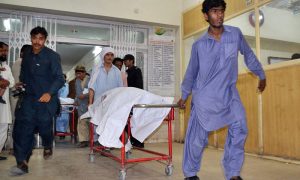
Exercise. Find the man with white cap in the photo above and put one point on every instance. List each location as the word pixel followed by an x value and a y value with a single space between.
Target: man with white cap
pixel 104 76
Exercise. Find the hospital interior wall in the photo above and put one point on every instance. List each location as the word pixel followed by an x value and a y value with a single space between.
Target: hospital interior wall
pixel 274 41
pixel 154 11
pixel 89 60
pixel 281 101
pixel 178 123
pixel 274 20
pixel 189 4
pixel 285 39
pixel 187 47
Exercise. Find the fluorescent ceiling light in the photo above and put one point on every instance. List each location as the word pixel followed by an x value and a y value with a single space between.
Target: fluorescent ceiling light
pixel 97 50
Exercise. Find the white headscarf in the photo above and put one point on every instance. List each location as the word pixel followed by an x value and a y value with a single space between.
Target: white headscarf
pixel 96 69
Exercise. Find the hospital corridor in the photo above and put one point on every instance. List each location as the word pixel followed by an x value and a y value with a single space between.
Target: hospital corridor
pixel 150 89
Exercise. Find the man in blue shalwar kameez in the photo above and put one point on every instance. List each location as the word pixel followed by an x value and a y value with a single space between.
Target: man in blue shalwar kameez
pixel 211 77
pixel 42 76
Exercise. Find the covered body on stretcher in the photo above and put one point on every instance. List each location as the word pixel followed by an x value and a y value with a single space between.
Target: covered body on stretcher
pixel 110 114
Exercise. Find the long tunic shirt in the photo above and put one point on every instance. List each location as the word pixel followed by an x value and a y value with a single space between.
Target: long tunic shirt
pixel 5 113
pixel 80 85
pixel 106 80
pixel 42 73
pixel 135 77
pixel 211 77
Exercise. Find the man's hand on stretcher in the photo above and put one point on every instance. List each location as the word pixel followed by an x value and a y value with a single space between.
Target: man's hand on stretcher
pixel 181 103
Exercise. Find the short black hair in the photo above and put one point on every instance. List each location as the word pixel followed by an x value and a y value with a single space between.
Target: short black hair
pixel 129 57
pixel 2 44
pixel 208 4
pixel 25 47
pixel 117 59
pixel 39 30
pixel 295 56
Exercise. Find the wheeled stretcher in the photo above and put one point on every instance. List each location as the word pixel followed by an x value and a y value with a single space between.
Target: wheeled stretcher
pixel 123 158
pixel 67 108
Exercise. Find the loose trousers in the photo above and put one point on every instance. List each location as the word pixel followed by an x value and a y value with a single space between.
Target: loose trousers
pixel 83 130
pixel 3 134
pixel 62 121
pixel 197 138
pixel 31 117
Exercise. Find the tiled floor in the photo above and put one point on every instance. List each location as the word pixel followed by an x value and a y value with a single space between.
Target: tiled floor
pixel 73 163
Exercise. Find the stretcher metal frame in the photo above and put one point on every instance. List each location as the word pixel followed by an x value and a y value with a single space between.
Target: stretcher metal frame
pixel 123 160
pixel 71 111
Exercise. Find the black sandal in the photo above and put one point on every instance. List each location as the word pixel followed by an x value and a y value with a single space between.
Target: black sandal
pixel 236 178
pixel 47 153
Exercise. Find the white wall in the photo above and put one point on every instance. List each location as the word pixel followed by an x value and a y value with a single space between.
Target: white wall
pixel 89 60
pixel 187 44
pixel 155 11
pixel 279 24
pixel 187 4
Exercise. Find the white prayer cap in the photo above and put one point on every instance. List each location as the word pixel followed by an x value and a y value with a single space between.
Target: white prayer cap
pixel 106 50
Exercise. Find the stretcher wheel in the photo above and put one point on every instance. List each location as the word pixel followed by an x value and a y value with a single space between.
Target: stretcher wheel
pixel 122 175
pixel 169 170
pixel 92 158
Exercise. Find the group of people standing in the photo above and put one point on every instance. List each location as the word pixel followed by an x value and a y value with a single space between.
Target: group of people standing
pixel 40 74
pixel 105 76
pixel 210 77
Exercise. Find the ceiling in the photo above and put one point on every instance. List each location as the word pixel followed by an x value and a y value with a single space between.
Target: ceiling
pixel 71 54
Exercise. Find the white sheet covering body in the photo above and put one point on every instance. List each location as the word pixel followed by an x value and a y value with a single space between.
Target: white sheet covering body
pixel 66 101
pixel 110 113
